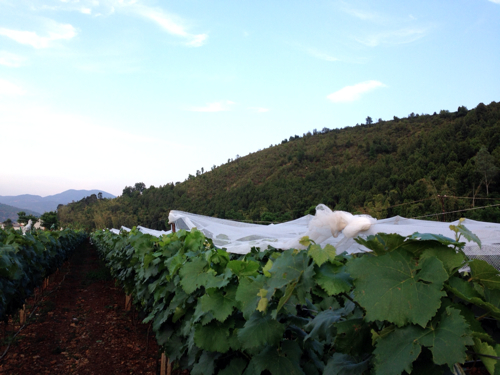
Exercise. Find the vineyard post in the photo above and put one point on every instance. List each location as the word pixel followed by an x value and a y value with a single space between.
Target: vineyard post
pixel 22 315
pixel 173 227
pixel 166 366
pixel 128 302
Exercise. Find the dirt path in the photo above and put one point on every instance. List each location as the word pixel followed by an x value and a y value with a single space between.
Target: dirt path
pixel 81 327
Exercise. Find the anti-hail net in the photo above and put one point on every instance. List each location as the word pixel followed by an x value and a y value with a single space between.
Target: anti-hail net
pixel 337 228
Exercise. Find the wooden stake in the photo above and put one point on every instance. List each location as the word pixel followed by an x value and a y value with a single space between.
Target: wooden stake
pixel 128 302
pixel 163 363
pixel 22 315
pixel 173 227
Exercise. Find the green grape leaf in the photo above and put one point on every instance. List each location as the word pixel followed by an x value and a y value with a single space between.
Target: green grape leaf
pixel 213 337
pixel 235 367
pixel 447 341
pixel 305 241
pixel 322 255
pixel 467 292
pixel 333 279
pixel 451 259
pixel 353 337
pixel 247 294
pixel 461 229
pixel 397 351
pixel 193 275
pixel 260 330
pixel 397 288
pixel 434 237
pixel 344 364
pixel 244 268
pixel 280 362
pixel 484 274
pixel 220 303
pixel 206 364
pixel 292 266
pixel 483 348
pixel 381 243
pixel 322 327
pixel 267 267
pixel 446 338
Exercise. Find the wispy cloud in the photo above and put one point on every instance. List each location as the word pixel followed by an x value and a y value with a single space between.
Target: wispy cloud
pixel 171 23
pixel 53 31
pixel 11 59
pixel 495 1
pixel 321 55
pixel 10 89
pixel 359 13
pixel 401 36
pixel 214 107
pixel 354 92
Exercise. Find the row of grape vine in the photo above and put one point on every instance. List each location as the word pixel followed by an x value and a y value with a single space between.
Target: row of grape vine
pixel 26 260
pixel 403 307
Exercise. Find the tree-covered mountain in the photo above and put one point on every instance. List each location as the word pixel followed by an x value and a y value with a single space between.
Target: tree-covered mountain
pixel 414 166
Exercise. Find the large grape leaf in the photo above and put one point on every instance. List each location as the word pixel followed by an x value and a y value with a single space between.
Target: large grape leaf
pixel 283 361
pixel 333 279
pixel 394 287
pixel 219 302
pixel 235 367
pixel 292 266
pixel 343 364
pixel 196 274
pixel 260 330
pixel 466 291
pixel 446 338
pixel 213 337
pixel 485 274
pixel 353 337
pixel 483 348
pixel 321 255
pixel 206 364
pixel 247 294
pixel 451 259
pixel 382 243
pixel 322 327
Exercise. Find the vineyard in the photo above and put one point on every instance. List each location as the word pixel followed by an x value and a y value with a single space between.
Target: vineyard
pixel 403 307
pixel 414 304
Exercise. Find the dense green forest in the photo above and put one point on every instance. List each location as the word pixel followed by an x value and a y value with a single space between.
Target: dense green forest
pixel 438 167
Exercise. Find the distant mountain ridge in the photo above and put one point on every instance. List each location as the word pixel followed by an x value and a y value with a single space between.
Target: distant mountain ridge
pixel 10 212
pixel 41 204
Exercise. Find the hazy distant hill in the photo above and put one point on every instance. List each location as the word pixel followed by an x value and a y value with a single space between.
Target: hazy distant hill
pixel 49 203
pixel 10 212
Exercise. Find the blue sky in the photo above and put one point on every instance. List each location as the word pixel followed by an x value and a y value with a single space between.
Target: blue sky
pixel 100 94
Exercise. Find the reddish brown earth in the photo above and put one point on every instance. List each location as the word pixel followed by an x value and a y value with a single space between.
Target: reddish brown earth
pixel 80 327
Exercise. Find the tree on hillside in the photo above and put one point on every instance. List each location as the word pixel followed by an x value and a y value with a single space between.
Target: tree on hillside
pixel 369 120
pixel 23 218
pixel 7 224
pixel 485 165
pixel 49 220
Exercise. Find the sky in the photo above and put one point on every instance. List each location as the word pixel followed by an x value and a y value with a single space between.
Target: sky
pixel 101 94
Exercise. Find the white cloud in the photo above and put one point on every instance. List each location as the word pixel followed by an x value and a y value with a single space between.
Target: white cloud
pixel 170 23
pixel 354 92
pixel 10 89
pixel 320 55
pixel 401 36
pixel 214 107
pixel 55 31
pixel 495 1
pixel 11 59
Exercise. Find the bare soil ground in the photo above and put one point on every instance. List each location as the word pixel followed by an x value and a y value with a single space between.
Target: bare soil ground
pixel 80 327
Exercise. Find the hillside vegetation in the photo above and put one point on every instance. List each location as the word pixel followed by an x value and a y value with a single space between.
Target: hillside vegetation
pixel 414 166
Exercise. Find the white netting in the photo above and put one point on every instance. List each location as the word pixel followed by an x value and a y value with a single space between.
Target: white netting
pixel 337 228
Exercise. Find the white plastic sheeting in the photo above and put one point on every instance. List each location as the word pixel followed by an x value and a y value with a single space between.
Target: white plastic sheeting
pixel 337 228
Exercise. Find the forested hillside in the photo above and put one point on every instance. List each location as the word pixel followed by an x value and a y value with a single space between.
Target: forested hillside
pixel 414 166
